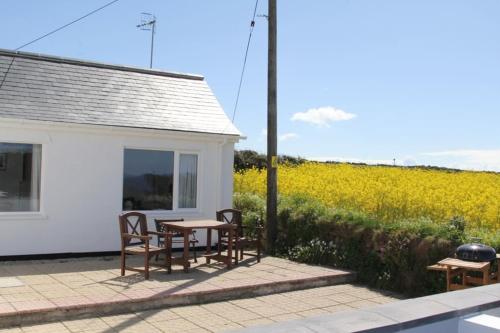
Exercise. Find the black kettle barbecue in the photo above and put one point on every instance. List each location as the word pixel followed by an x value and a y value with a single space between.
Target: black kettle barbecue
pixel 476 251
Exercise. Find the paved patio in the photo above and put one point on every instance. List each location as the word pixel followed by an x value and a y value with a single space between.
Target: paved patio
pixel 49 290
pixel 228 315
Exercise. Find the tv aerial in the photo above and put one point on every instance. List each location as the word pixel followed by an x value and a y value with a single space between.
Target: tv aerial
pixel 148 23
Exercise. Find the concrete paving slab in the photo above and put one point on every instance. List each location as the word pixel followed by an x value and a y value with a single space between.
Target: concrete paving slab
pixel 437 313
pixel 466 299
pixel 216 317
pixel 411 310
pixel 8 282
pixel 351 321
pixel 81 288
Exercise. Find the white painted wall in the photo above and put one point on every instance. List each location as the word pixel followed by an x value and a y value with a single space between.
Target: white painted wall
pixel 82 180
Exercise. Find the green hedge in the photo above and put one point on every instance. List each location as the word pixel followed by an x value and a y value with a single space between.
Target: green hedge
pixel 390 256
pixel 248 159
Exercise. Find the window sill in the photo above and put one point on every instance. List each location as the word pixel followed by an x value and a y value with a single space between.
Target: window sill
pixel 8 216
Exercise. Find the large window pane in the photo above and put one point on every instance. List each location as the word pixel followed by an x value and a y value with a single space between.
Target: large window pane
pixel 148 179
pixel 188 173
pixel 20 167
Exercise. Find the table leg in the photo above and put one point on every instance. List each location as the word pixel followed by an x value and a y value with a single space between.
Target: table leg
pixel 219 243
pixel 498 270
pixel 486 275
pixel 185 255
pixel 209 241
pixel 168 253
pixel 209 244
pixel 230 248
pixel 236 249
pixel 448 278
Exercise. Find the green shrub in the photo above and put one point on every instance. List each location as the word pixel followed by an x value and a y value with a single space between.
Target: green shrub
pixel 297 221
pixel 316 251
pixel 392 256
pixel 248 159
pixel 382 257
pixel 253 209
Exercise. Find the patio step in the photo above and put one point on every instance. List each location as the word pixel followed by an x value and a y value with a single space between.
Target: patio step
pixel 193 293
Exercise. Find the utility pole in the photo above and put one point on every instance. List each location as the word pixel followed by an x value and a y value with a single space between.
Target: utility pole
pixel 272 143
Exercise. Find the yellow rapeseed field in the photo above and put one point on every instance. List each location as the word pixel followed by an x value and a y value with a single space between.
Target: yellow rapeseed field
pixel 389 193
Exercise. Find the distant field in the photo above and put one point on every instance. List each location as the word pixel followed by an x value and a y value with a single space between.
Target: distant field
pixel 390 193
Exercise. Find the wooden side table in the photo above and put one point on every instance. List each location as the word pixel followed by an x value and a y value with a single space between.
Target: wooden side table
pixel 456 267
pixel 451 272
pixel 466 266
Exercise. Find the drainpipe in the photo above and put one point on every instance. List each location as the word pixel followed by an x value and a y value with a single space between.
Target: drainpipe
pixel 219 174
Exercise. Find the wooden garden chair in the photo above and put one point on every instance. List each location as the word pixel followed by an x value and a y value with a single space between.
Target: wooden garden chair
pixel 134 226
pixel 177 237
pixel 242 239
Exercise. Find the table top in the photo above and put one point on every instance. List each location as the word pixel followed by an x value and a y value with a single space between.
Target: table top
pixel 464 264
pixel 198 224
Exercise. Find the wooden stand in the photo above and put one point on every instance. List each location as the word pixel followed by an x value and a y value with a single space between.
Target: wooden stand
pixel 461 268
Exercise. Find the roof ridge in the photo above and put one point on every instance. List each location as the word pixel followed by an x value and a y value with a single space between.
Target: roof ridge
pixel 86 63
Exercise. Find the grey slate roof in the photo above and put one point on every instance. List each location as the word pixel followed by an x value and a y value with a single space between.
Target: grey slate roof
pixel 47 88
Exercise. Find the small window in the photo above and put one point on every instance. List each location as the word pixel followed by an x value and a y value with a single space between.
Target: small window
pixel 148 180
pixel 20 169
pixel 188 174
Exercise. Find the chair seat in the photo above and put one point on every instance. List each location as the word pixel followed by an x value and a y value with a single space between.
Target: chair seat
pixel 142 249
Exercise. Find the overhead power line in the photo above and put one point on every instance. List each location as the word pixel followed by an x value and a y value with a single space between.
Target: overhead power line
pixel 66 25
pixel 252 25
pixel 50 33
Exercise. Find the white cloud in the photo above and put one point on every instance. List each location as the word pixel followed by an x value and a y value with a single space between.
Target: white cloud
pixel 322 116
pixel 282 137
pixel 469 159
pixel 288 136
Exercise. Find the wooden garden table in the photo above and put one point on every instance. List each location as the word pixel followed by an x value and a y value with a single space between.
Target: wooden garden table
pixel 456 267
pixel 186 228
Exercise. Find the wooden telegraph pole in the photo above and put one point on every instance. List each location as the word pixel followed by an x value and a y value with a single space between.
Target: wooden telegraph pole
pixel 272 146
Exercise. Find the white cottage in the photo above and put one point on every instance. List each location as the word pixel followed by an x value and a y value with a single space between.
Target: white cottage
pixel 81 141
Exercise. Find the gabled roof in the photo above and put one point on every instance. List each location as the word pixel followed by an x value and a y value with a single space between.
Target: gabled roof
pixel 47 88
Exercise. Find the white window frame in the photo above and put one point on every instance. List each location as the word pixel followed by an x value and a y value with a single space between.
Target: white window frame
pixel 30 215
pixel 177 160
pixel 175 191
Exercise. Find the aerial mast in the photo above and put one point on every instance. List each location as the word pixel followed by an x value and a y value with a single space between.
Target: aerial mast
pixel 148 23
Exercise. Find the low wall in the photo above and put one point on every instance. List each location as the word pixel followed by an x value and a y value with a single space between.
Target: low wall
pixel 437 313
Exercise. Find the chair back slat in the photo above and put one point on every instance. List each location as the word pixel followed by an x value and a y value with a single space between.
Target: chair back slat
pixel 231 216
pixel 136 224
pixel 133 223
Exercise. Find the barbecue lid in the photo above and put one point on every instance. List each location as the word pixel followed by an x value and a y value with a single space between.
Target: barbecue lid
pixel 476 252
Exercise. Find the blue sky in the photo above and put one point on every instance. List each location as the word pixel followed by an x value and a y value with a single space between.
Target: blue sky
pixel 363 80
